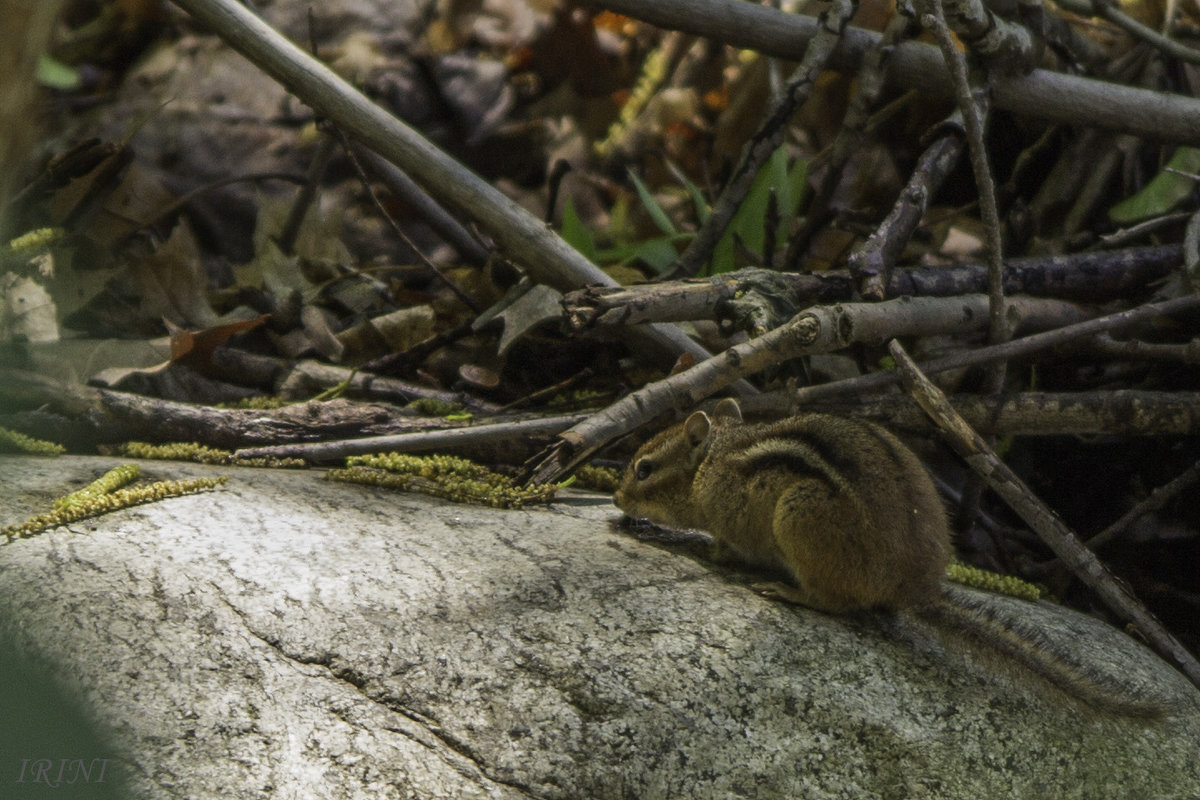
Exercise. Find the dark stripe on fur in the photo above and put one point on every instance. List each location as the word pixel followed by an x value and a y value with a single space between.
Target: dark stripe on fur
pixel 789 459
pixel 829 446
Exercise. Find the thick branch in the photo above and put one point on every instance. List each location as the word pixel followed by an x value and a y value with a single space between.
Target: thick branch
pixel 101 416
pixel 1083 277
pixel 817 330
pixel 449 439
pixel 1008 350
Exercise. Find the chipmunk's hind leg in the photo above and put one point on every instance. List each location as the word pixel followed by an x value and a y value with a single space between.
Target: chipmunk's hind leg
pixel 821 534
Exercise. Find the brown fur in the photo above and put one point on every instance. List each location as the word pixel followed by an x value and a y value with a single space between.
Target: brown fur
pixel 847 512
pixel 841 506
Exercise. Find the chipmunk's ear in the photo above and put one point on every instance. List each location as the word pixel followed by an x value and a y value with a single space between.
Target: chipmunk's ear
pixel 696 428
pixel 728 409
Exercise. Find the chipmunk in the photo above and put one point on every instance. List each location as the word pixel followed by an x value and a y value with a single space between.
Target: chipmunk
pixel 848 513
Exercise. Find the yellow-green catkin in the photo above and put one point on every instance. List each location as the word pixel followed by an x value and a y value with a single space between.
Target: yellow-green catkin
pixel 654 72
pixel 113 501
pixel 202 454
pixel 441 476
pixel 599 479
pixel 13 442
pixel 432 407
pixel 34 241
pixel 260 402
pixel 110 481
pixel 993 582
pixel 176 451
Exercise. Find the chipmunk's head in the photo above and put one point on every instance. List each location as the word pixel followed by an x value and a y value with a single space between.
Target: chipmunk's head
pixel 657 484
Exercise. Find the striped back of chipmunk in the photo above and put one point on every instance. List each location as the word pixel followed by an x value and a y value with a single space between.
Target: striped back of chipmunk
pixel 842 453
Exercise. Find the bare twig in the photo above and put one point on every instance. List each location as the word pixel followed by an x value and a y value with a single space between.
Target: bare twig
pixel 870 84
pixel 1041 94
pixel 1157 499
pixel 421 441
pixel 1134 232
pixel 817 330
pixel 1081 561
pixel 520 235
pixel 973 115
pixel 768 137
pixel 1082 277
pixel 352 154
pixel 871 264
pixel 977 29
pixel 1185 353
pixel 178 204
pixel 1008 350
pixel 453 232
pixel 1111 12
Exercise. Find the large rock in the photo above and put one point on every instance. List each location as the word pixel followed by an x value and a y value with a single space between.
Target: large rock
pixel 289 637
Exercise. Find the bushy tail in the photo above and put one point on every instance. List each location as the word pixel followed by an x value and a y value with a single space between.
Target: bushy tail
pixel 990 630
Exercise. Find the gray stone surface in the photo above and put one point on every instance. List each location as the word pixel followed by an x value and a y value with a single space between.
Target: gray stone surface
pixel 288 637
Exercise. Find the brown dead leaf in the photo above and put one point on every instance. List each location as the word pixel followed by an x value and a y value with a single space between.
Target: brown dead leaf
pixel 194 348
pixel 171 283
pixel 85 193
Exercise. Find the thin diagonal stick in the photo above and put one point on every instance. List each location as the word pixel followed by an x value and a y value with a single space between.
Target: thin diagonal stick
pixel 1014 348
pixel 768 138
pixel 1004 482
pixel 973 122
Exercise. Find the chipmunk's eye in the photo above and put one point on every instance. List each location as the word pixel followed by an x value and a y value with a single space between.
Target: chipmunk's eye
pixel 643 469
